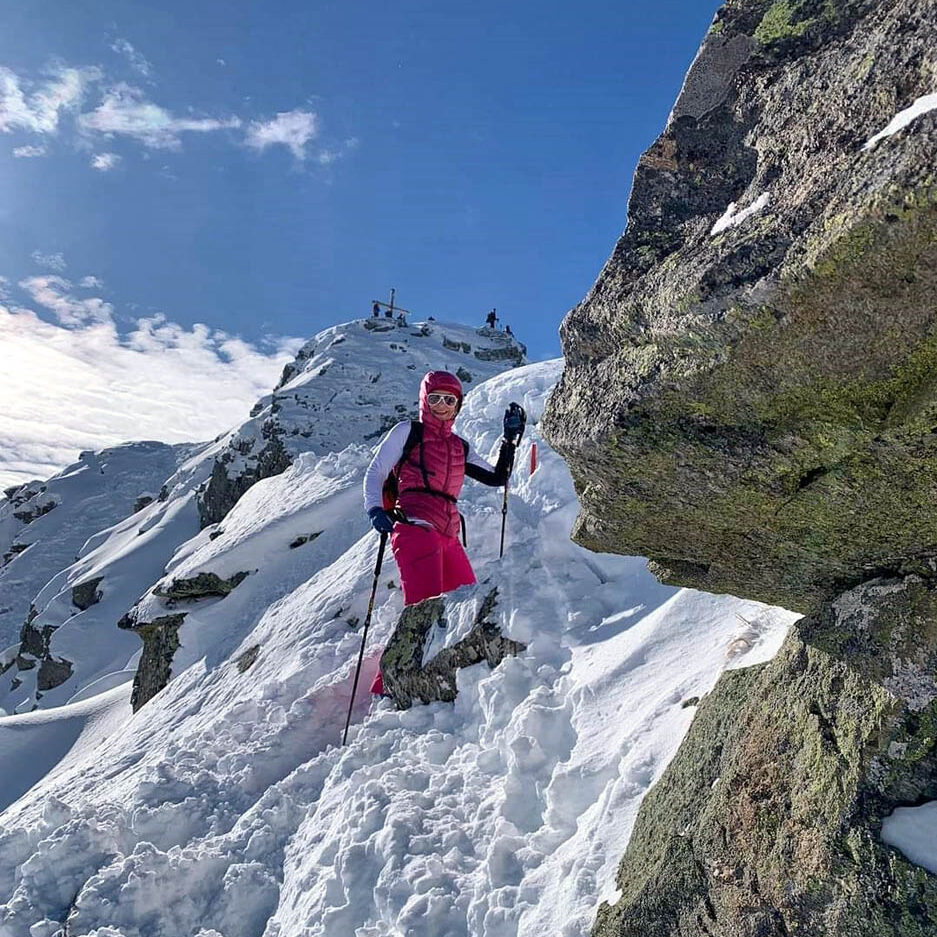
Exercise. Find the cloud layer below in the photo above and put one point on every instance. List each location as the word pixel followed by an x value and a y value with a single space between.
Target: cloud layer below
pixel 88 387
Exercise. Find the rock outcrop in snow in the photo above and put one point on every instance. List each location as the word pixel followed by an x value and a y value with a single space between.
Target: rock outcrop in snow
pixel 409 676
pixel 46 530
pixel 749 400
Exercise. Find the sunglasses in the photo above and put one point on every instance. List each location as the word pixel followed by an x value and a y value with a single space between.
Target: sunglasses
pixel 449 399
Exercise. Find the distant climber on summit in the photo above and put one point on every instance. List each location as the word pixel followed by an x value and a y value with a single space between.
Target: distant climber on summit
pixel 491 319
pixel 413 482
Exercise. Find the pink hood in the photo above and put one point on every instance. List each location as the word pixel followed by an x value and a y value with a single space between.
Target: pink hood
pixel 440 382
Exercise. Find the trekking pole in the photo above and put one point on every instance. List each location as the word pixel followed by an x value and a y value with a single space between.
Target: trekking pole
pixel 504 515
pixel 364 636
pixel 517 409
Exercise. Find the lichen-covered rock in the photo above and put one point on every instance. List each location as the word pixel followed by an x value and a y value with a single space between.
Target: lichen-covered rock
pixel 160 642
pixel 405 677
pixel 750 393
pixel 200 586
pixel 768 820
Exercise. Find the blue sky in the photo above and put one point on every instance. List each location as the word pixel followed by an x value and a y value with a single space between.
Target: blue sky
pixel 268 169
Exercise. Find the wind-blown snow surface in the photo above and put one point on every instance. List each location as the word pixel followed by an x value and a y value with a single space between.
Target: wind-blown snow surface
pixel 225 806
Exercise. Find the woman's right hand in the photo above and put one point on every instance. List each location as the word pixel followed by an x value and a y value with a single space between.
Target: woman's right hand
pixel 381 521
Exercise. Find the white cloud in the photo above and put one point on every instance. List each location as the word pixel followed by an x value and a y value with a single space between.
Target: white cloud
pixel 326 157
pixel 292 129
pixel 104 162
pixel 137 61
pixel 125 110
pixel 85 388
pixel 54 262
pixel 90 283
pixel 29 152
pixel 4 289
pixel 221 62
pixel 52 293
pixel 39 112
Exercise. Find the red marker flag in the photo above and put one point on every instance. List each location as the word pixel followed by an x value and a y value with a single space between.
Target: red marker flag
pixel 533 458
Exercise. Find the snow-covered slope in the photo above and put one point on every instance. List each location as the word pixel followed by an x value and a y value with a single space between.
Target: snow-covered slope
pixel 226 807
pixel 44 524
pixel 346 386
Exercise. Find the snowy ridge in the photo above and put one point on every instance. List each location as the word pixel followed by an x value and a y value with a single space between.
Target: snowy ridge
pixel 504 813
pixel 351 383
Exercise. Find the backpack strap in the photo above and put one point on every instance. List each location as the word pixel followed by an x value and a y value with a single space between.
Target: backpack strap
pixel 414 439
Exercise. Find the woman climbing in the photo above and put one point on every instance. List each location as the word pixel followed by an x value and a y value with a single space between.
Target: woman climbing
pixel 425 463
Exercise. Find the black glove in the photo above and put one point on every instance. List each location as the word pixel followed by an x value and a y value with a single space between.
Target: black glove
pixel 514 422
pixel 505 464
pixel 381 521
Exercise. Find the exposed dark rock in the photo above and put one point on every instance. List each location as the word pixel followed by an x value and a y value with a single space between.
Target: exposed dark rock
pixel 247 659
pixel 201 586
pixel 53 672
pixel 405 677
pixel 768 820
pixel 86 594
pixel 464 376
pixel 389 421
pixel 34 636
pixel 141 502
pixel 463 347
pixel 299 541
pixel 160 641
pixel 379 325
pixel 510 352
pixel 222 491
pixel 33 511
pixel 14 551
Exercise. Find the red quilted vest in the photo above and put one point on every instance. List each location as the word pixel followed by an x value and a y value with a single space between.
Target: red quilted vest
pixel 442 457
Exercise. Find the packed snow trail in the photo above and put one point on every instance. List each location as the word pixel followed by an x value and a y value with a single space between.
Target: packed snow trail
pixel 226 806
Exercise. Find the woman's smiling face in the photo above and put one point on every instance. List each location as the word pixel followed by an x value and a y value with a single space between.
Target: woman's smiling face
pixel 443 405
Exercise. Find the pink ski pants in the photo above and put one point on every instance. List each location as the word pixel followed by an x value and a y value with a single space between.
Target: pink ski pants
pixel 430 563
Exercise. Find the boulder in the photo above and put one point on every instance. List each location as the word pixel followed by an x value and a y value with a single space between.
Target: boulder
pixel 406 679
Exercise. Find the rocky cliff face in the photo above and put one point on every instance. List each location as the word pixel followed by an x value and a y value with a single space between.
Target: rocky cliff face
pixel 750 400
pixel 752 406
